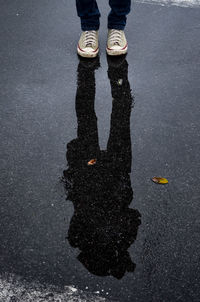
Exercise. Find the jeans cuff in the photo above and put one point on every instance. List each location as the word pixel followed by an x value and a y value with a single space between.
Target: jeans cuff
pixel 116 26
pixel 89 27
pixel 90 24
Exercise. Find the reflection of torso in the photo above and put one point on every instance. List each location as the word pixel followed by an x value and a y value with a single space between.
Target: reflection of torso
pixel 104 182
pixel 101 194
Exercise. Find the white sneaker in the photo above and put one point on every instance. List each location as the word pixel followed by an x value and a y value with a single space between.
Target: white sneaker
pixel 88 45
pixel 116 44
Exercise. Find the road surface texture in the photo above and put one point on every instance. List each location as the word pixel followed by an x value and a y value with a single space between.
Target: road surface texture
pixel 103 231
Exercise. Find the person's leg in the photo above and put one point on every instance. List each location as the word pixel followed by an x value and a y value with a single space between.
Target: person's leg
pixel 89 14
pixel 117 43
pixel 119 11
pixel 119 142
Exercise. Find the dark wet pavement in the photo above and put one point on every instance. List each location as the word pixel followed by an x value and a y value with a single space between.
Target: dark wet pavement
pixel 141 120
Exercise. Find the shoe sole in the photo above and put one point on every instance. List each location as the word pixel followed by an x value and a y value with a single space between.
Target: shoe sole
pixel 112 52
pixel 85 54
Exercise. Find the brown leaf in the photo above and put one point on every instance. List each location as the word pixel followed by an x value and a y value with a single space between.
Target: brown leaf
pixel 92 162
pixel 160 180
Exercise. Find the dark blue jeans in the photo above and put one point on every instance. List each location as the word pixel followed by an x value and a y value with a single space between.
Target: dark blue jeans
pixel 89 13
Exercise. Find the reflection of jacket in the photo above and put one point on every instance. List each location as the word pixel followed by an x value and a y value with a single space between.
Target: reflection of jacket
pixel 103 226
pixel 100 183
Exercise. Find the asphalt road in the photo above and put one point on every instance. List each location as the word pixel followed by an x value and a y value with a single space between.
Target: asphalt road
pixel 105 229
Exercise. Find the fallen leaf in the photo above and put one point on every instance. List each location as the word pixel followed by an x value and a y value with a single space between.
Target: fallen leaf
pixel 160 180
pixel 92 162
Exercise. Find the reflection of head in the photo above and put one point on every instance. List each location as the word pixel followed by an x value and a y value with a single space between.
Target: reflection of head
pixel 113 265
pixel 103 226
pixel 104 238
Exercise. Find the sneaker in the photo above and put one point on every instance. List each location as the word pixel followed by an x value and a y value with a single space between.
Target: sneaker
pixel 88 45
pixel 116 44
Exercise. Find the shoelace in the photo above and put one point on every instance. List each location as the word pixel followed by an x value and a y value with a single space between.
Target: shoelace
pixel 115 36
pixel 90 38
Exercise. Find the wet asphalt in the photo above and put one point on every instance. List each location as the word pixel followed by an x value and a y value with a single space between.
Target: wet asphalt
pixel 106 227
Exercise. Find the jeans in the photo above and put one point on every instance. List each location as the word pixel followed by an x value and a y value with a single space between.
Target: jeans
pixel 89 13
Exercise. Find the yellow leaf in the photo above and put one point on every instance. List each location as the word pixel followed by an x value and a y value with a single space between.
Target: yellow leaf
pixel 92 162
pixel 160 180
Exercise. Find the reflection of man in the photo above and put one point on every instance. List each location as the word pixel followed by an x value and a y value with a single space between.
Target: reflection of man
pixel 89 14
pixel 103 226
